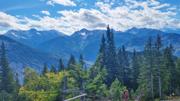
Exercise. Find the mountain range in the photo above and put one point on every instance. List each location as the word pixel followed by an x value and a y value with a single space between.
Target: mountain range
pixel 34 48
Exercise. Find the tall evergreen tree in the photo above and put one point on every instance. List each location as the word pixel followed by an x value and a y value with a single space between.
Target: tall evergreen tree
pixel 158 64
pixel 120 65
pixel 135 67
pixel 178 74
pixel 81 61
pixel 17 81
pixel 53 69
pixel 45 69
pixel 102 52
pixel 169 65
pixel 17 87
pixel 7 82
pixel 126 69
pixel 111 62
pixel 71 61
pixel 61 65
pixel 102 45
pixel 146 77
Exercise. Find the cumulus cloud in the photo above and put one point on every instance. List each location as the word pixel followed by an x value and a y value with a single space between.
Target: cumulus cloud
pixel 132 13
pixel 45 13
pixel 10 22
pixel 149 14
pixel 61 2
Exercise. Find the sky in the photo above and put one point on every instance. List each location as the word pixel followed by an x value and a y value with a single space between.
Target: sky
pixel 68 16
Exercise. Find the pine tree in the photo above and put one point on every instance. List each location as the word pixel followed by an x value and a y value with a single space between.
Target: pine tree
pixel 126 69
pixel 135 72
pixel 120 65
pixel 111 63
pixel 169 65
pixel 45 69
pixel 95 85
pixel 158 64
pixel 116 90
pixel 17 87
pixel 71 62
pixel 7 83
pixel 178 74
pixel 53 69
pixel 61 65
pixel 81 61
pixel 102 52
pixel 146 77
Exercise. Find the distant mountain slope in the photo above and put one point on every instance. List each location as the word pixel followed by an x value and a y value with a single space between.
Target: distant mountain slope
pixel 20 55
pixel 87 41
pixel 60 47
pixel 32 37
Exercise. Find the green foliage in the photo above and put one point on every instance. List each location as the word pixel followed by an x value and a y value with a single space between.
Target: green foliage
pixel 71 62
pixel 149 76
pixel 157 73
pixel 53 69
pixel 111 62
pixel 102 52
pixel 45 69
pixel 7 83
pixel 4 96
pixel 40 88
pixel 96 88
pixel 61 65
pixel 169 65
pixel 116 90
pixel 135 70
pixel 178 75
pixel 78 73
pixel 126 71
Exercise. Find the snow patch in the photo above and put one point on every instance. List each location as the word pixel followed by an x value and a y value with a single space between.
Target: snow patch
pixel 14 34
pixel 83 33
pixel 38 33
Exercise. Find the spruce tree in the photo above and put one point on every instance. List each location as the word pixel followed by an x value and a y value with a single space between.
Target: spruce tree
pixel 120 65
pixel 7 83
pixel 135 67
pixel 158 64
pixel 45 69
pixel 81 61
pixel 146 77
pixel 17 87
pixel 100 61
pixel 71 62
pixel 178 74
pixel 126 69
pixel 61 65
pixel 102 52
pixel 53 69
pixel 111 62
pixel 169 65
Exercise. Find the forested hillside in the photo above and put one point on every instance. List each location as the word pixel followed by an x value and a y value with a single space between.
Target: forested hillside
pixel 116 75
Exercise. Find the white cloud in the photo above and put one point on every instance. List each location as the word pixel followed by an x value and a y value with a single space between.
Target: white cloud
pixel 10 22
pixel 134 13
pixel 144 14
pixel 45 13
pixel 61 2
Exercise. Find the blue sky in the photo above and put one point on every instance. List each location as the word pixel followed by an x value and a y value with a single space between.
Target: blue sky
pixel 68 16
